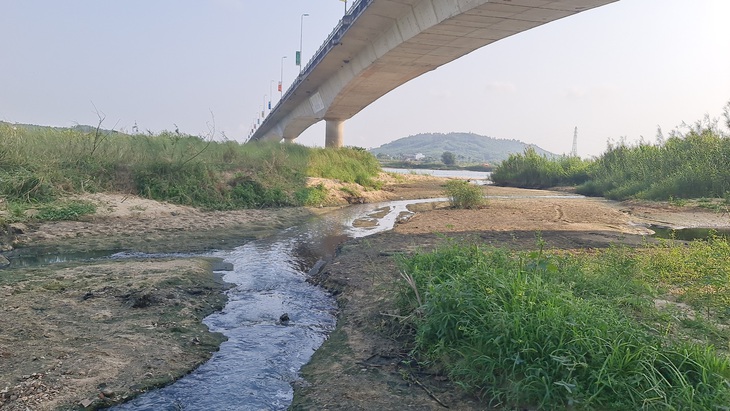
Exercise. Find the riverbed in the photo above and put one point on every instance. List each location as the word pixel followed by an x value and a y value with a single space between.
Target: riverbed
pixel 94 361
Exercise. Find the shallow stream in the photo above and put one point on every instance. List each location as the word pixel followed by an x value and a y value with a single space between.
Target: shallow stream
pixel 255 368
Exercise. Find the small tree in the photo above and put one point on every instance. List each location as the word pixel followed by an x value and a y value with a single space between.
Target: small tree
pixel 448 158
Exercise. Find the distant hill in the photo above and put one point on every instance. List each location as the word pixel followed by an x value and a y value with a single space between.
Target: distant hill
pixel 467 147
pixel 79 127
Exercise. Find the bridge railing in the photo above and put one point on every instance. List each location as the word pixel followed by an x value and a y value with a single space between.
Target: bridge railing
pixel 332 40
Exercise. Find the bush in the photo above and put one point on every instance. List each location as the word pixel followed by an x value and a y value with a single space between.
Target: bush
pixel 531 170
pixel 463 194
pixel 312 196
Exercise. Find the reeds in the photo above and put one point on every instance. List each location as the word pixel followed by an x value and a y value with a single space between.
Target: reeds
pixel 463 194
pixel 531 170
pixel 691 163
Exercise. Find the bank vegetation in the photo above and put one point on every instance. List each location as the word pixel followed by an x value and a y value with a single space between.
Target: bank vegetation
pixel 690 163
pixel 617 329
pixel 42 167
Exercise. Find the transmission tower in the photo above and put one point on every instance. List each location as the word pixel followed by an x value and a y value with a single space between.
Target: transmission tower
pixel 574 151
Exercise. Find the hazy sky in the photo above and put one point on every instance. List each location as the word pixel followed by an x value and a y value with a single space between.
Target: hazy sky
pixel 617 71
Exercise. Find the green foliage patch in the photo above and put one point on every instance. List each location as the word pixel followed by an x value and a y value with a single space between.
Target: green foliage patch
pixel 686 165
pixel 691 163
pixel 531 170
pixel 558 331
pixel 40 165
pixel 463 194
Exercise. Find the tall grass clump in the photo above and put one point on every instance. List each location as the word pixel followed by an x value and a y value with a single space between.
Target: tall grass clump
pixel 531 170
pixel 689 164
pixel 41 165
pixel 348 164
pixel 463 194
pixel 533 329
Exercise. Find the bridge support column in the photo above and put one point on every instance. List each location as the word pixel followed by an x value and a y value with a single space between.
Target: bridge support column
pixel 334 134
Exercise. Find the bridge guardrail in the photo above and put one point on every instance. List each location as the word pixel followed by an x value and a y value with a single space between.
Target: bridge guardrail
pixel 332 40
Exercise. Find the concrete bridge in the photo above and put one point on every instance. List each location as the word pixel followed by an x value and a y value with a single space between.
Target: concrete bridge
pixel 380 44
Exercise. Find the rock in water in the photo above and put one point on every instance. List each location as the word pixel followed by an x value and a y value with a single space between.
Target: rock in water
pixel 4 262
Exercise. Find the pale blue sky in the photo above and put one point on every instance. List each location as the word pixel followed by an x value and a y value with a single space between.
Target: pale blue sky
pixel 617 71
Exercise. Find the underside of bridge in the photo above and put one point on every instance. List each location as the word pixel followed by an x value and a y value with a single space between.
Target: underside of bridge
pixel 382 44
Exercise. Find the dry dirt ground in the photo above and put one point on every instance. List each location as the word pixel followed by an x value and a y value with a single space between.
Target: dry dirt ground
pixel 84 335
pixel 365 365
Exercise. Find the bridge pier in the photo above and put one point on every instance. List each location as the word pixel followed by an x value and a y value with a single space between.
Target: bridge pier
pixel 334 133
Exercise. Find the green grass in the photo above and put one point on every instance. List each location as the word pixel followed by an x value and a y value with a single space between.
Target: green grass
pixel 691 163
pixel 531 170
pixel 557 330
pixel 463 194
pixel 39 166
pixel 350 165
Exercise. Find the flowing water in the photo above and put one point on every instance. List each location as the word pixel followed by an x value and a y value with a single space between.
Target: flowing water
pixel 254 369
pixel 479 177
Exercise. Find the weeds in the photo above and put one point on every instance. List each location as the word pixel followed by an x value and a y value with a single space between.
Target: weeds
pixel 531 170
pixel 41 165
pixel 691 163
pixel 463 194
pixel 558 330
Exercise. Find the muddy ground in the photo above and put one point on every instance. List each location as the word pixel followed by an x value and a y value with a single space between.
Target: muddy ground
pixel 84 335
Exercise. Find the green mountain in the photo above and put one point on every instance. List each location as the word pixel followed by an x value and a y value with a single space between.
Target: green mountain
pixel 467 147
pixel 79 127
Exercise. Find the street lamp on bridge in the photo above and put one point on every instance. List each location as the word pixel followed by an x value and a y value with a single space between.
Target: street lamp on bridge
pixel 281 82
pixel 301 35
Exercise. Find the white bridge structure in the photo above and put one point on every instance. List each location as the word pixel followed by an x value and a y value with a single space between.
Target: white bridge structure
pixel 380 44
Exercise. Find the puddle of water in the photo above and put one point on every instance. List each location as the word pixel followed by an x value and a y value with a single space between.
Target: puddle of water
pixel 688 234
pixel 47 259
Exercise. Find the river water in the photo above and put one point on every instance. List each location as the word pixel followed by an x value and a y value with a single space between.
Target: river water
pixel 481 177
pixel 254 369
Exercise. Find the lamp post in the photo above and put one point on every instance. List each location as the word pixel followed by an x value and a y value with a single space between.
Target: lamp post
pixel 301 35
pixel 271 91
pixel 263 107
pixel 281 82
pixel 345 6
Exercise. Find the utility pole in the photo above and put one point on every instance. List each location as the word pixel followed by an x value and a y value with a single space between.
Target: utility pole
pixel 574 151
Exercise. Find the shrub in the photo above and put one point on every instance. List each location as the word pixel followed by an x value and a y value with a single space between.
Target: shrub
pixel 463 194
pixel 531 170
pixel 312 196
